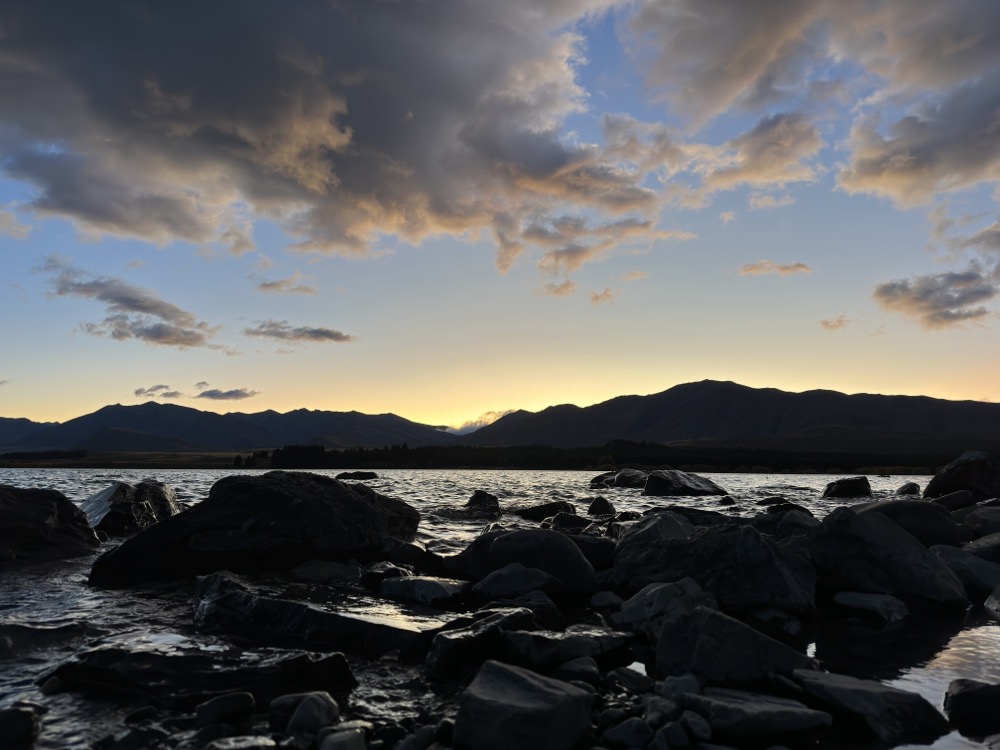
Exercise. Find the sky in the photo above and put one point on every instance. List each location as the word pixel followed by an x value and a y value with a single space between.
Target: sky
pixel 447 209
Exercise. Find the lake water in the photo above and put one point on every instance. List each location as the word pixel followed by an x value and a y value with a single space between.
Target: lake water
pixel 56 599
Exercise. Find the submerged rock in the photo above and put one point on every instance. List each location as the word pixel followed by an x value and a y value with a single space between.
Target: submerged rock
pixel 510 708
pixel 672 482
pixel 38 525
pixel 272 521
pixel 125 509
pixel 544 510
pixel 484 502
pixel 849 487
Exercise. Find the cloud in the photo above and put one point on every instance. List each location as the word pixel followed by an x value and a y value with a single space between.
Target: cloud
pixel 603 297
pixel 769 266
pixel 10 226
pixel 482 420
pixel 290 285
pixel 836 323
pixel 201 385
pixel 727 217
pixel 237 394
pixel 635 276
pixel 157 391
pixel 762 201
pixel 558 288
pixel 283 331
pixel 939 301
pixel 132 312
pixel 4 382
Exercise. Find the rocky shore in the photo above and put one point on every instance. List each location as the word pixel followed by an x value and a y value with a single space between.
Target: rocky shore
pixel 306 611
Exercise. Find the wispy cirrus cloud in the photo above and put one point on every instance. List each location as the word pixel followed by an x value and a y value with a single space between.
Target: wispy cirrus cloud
pixel 132 312
pixel 604 297
pixel 290 285
pixel 835 323
pixel 762 267
pixel 282 330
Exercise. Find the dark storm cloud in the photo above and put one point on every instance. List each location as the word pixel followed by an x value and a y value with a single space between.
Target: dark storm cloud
pixel 133 312
pixel 941 300
pixel 236 394
pixel 282 331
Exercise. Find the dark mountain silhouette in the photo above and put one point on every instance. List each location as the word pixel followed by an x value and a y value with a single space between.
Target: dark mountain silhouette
pixel 12 431
pixel 728 414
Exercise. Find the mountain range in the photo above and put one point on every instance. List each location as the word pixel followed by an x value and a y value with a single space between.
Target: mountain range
pixel 707 413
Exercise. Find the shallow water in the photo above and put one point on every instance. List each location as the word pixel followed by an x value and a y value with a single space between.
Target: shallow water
pixel 62 613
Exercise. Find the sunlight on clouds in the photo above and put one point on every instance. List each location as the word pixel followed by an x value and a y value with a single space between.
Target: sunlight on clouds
pixel 835 323
pixel 940 301
pixel 769 266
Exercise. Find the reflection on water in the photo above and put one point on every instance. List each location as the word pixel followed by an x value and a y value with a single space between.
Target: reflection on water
pixel 47 613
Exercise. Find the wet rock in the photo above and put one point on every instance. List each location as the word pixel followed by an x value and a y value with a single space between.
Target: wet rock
pixel 346 739
pixel 358 475
pixel 891 715
pixel 568 523
pixel 883 606
pixel 227 605
pixel 956 500
pixel 975 573
pixel 472 563
pixel 544 610
pixel 992 603
pixel 398 552
pixel 975 471
pixel 646 611
pixel 983 521
pixel 630 479
pixel 325 571
pixel 601 506
pixel 740 566
pixel 599 550
pixel 985 548
pixel 870 553
pixel 674 686
pixel 929 523
pixel 18 725
pixel 549 551
pixel 672 482
pixel 271 521
pixel 630 680
pixel 971 706
pixel 544 510
pixel 603 480
pixel 671 735
pixel 123 509
pixel 632 732
pixel 423 589
pixel 848 487
pixel 739 716
pixel 582 669
pixel 177 672
pixel 39 525
pixel 484 502
pixel 457 649
pixel 606 600
pixel 510 708
pixel 909 488
pixel 666 525
pixel 313 712
pixel 224 708
pixel 722 650
pixel 515 580
pixel 544 649
pixel 243 742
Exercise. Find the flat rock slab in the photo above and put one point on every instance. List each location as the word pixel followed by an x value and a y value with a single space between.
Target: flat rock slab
pixel 272 521
pixel 39 525
pixel 510 708
pixel 891 715
pixel 543 649
pixel 736 715
pixel 179 672
pixel 423 589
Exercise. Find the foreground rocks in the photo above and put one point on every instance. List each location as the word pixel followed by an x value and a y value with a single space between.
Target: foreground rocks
pixel 125 509
pixel 276 520
pixel 39 525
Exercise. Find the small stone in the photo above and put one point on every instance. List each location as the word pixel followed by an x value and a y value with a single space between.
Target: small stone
pixel 224 708
pixel 675 685
pixel 601 506
pixel 349 739
pixel 696 726
pixel 606 600
pixel 669 736
pixel 633 732
pixel 18 725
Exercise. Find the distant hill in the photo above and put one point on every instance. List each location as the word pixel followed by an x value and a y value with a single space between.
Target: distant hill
pixel 727 414
pixel 156 427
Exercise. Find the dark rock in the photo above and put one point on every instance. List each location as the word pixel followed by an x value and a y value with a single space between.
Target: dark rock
pixel 544 649
pixel 910 488
pixel 671 735
pixel 549 551
pixel 599 550
pixel 472 563
pixel 986 548
pixel 545 611
pixel 869 553
pixel 373 574
pixel 630 479
pixel 630 680
pixel 848 487
pixel 399 552
pixel 600 506
pixel 992 603
pixel 227 605
pixel 484 502
pixel 722 650
pixel 224 708
pixel 39 525
pixel 883 606
pixel 567 522
pixel 975 471
pixel 18 725
pixel 786 507
pixel 272 521
pixel 891 715
pixel 423 589
pixel 243 742
pixel 344 739
pixel 633 732
pixel 515 580
pixel 582 669
pixel 603 480
pixel 647 610
pixel 359 475
pixel 671 482
pixel 971 706
pixel 509 708
pixel 325 571
pixel 741 567
pixel 177 672
pixel 313 711
pixel 929 523
pixel 456 649
pixel 123 509
pixel 545 510
pixel 666 525
pixel 956 500
pixel 606 600
pixel 738 716
pixel 975 573
pixel 983 521
pixel 727 500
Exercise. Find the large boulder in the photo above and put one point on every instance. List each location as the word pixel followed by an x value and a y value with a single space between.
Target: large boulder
pixel 550 551
pixel 848 487
pixel 975 573
pixel 983 520
pixel 646 611
pixel 630 478
pixel 510 708
pixel 742 717
pixel 38 525
pixel 975 471
pixel 672 482
pixel 271 521
pixel 971 706
pixel 121 508
pixel 931 524
pixel 869 553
